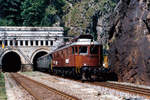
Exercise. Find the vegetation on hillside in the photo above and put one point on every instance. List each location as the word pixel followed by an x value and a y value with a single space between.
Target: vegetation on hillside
pixel 30 12
pixel 76 16
pixel 83 16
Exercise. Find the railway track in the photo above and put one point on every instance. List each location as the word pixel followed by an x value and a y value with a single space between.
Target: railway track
pixel 39 90
pixel 120 87
pixel 125 88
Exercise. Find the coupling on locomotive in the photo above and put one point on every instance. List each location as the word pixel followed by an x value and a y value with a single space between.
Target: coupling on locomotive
pixel 82 57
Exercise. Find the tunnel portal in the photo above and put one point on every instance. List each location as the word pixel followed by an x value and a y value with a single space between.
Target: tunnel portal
pixel 11 62
pixel 39 54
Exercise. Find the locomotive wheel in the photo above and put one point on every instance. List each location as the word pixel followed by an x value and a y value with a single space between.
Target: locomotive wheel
pixel 93 77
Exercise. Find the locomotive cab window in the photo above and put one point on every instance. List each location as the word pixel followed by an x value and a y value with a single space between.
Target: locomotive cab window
pixel 83 50
pixel 94 49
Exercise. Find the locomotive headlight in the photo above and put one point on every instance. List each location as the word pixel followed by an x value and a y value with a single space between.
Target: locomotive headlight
pixel 67 61
pixel 56 62
pixel 104 65
pixel 85 64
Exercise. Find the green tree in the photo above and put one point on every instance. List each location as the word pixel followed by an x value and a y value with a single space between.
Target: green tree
pixel 42 12
pixel 6 22
pixel 32 13
pixel 50 16
pixel 107 6
pixel 10 10
pixel 53 12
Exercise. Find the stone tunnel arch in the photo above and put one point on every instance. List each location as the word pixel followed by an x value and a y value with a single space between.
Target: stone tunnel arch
pixel 11 62
pixel 36 55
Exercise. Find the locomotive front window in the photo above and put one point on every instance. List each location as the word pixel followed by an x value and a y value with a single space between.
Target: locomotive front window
pixel 83 50
pixel 94 49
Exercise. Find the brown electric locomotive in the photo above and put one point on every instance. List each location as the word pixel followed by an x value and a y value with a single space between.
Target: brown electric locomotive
pixel 82 57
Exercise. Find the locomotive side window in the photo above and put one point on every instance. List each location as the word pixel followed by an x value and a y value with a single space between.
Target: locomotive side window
pixel 76 50
pixel 72 50
pixel 94 49
pixel 83 50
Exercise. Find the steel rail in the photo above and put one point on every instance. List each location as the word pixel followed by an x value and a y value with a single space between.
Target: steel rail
pixel 126 88
pixel 16 75
pixel 120 87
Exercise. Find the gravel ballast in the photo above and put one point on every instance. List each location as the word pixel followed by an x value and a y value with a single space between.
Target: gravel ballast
pixel 84 91
pixel 15 91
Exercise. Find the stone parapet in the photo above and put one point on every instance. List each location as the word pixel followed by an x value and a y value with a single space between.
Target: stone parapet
pixel 6 28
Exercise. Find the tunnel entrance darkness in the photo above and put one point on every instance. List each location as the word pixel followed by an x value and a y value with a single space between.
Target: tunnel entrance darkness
pixel 39 54
pixel 11 62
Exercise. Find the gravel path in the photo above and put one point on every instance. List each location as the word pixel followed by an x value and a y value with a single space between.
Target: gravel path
pixel 83 91
pixel 15 91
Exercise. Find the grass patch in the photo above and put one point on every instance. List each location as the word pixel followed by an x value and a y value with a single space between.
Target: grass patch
pixel 2 87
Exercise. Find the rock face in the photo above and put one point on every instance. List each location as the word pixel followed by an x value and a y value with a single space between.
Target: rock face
pixel 129 41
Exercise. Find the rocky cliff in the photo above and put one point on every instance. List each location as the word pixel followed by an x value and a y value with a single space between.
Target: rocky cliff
pixel 127 31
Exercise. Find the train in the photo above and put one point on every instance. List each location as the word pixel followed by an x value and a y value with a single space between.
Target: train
pixel 81 58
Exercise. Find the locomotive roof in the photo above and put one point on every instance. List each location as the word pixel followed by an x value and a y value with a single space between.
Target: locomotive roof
pixel 80 40
pixel 87 36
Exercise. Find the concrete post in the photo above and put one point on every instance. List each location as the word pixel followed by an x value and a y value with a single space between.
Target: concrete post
pixel 29 43
pixel 8 42
pixel 44 43
pixel 23 42
pixel 49 43
pixel 39 42
pixel 13 43
pixel 34 43
pixel 18 42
